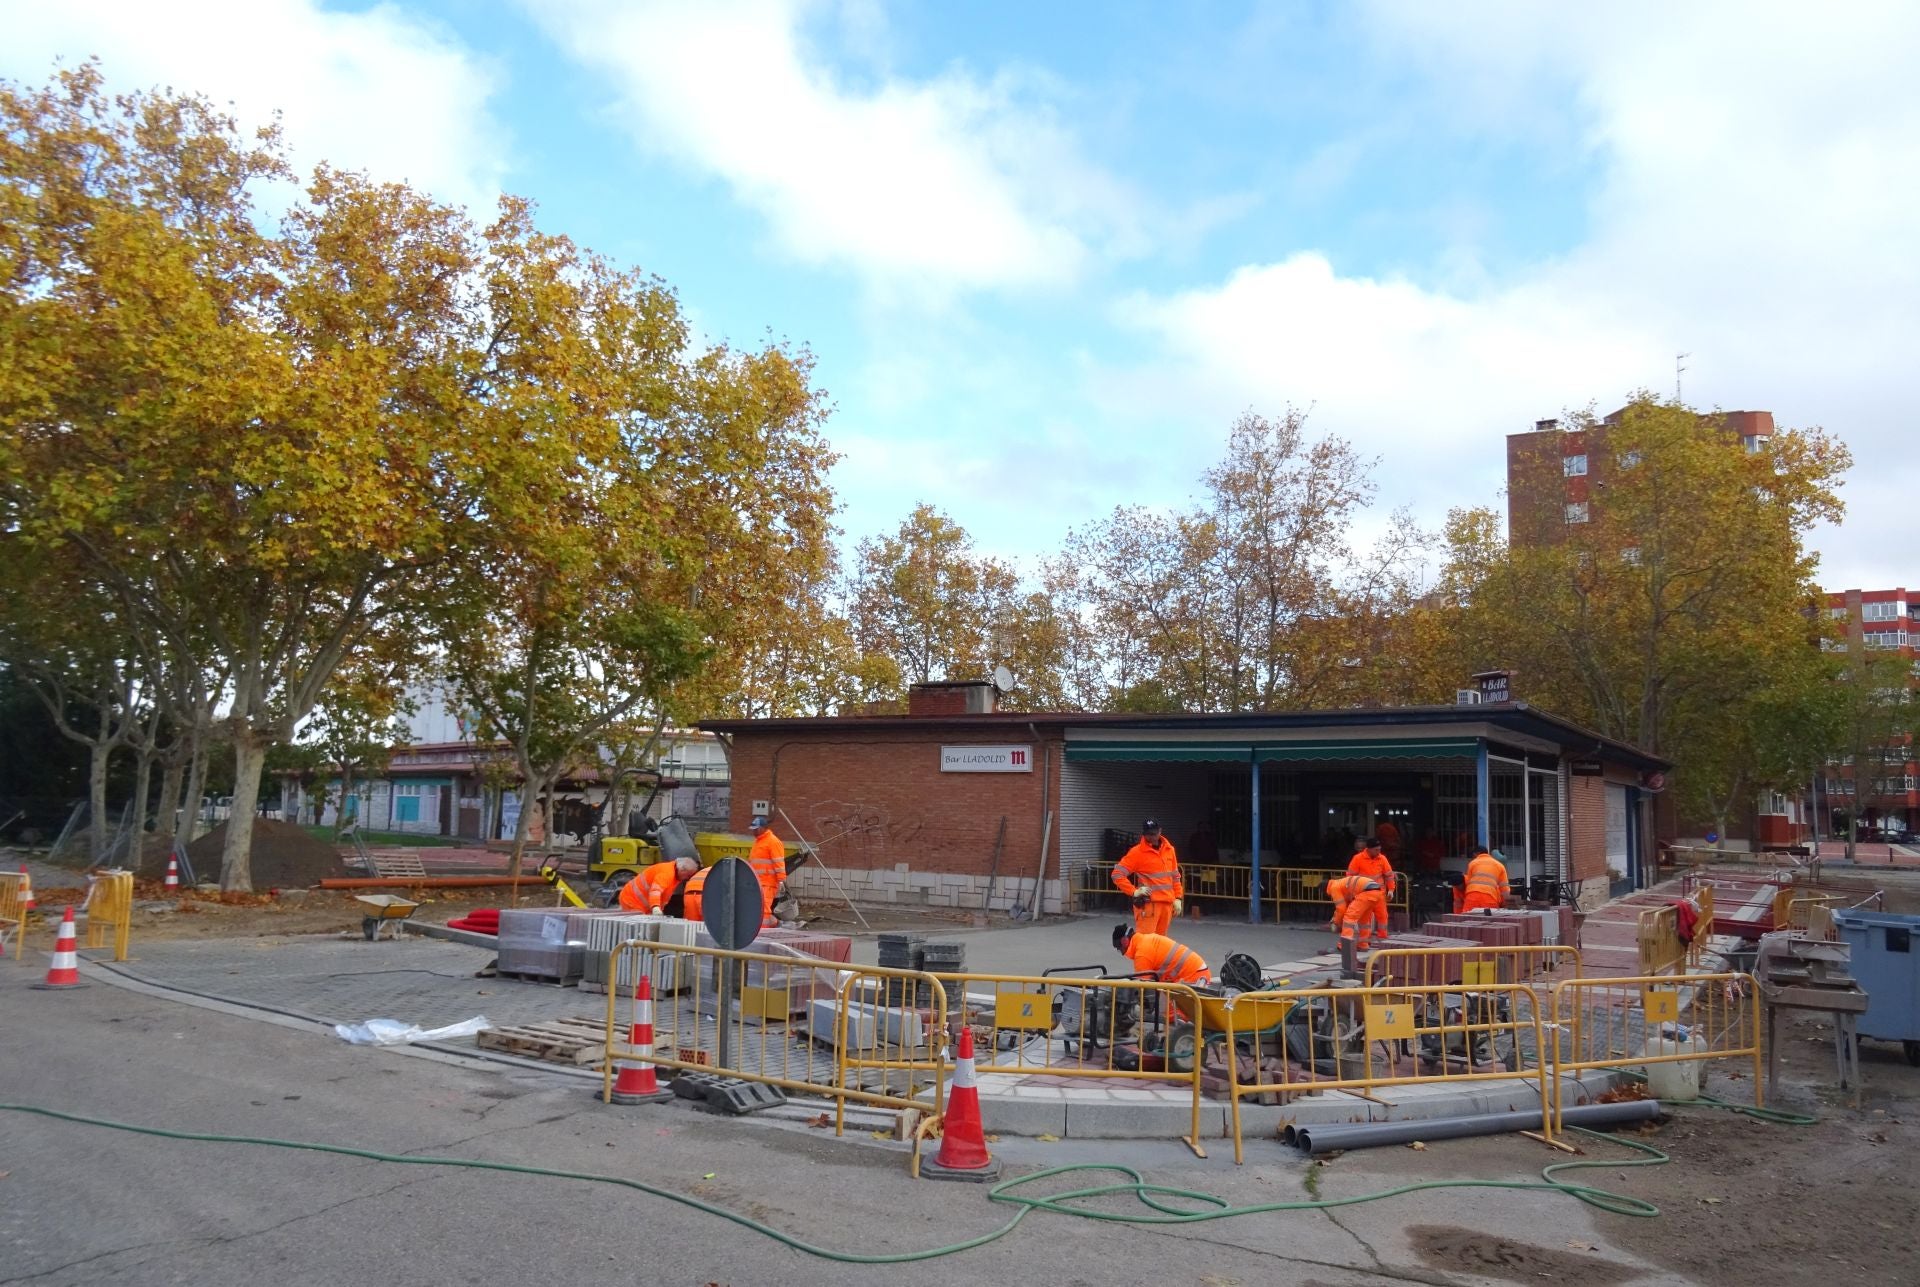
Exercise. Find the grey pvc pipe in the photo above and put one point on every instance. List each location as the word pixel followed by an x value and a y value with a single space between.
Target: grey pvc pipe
pixel 1335 1136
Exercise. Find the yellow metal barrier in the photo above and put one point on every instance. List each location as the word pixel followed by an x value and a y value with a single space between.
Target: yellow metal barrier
pixel 13 913
pixel 1216 883
pixel 1027 1026
pixel 1360 1039
pixel 1469 966
pixel 1307 887
pixel 1801 907
pixel 861 1033
pixel 1629 1023
pixel 109 907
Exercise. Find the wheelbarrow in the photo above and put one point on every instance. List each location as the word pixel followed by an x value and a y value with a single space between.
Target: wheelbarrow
pixel 382 909
pixel 1255 1019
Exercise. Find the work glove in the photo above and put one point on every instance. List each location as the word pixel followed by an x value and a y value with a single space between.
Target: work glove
pixel 1179 905
pixel 1140 899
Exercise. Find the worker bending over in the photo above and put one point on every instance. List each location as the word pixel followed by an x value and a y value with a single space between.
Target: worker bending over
pixel 650 890
pixel 1159 957
pixel 691 906
pixel 1337 891
pixel 1149 873
pixel 768 859
pixel 1486 883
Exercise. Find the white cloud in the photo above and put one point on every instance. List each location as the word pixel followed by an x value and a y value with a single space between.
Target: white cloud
pixel 376 90
pixel 952 181
pixel 1760 188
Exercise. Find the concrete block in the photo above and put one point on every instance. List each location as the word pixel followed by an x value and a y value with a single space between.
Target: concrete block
pixel 1108 1119
pixel 1028 1117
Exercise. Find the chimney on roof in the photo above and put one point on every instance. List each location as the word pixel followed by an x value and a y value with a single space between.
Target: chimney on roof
pixel 1542 426
pixel 952 697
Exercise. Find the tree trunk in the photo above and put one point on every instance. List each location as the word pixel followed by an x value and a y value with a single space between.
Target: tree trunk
pixel 166 821
pixel 191 802
pixel 520 827
pixel 346 793
pixel 236 858
pixel 142 782
pixel 97 754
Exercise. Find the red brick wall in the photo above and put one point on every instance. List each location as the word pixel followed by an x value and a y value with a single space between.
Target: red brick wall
pixel 1587 826
pixel 886 792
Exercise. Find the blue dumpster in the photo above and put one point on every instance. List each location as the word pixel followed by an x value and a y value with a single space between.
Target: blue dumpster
pixel 1886 961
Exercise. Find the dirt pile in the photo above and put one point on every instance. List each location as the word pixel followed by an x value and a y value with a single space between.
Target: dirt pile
pixel 284 856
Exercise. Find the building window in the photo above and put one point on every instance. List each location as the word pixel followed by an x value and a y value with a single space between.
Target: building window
pixel 1840 612
pixel 1886 638
pixel 1751 441
pixel 1576 511
pixel 1628 459
pixel 1631 556
pixel 1880 611
pixel 1574 466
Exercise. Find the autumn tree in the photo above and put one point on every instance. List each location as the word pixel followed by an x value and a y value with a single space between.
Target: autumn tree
pixel 922 598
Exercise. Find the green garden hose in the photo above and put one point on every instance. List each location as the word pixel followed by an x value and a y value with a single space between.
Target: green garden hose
pixel 1164 1205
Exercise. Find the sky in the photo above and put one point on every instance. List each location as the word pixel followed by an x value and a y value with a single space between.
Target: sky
pixel 1046 254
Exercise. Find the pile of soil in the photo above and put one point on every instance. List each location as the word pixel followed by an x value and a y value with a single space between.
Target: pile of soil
pixel 284 856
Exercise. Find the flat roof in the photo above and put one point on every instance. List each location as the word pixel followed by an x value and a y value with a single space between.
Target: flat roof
pixel 1517 718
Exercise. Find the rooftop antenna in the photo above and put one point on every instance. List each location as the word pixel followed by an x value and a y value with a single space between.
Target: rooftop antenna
pixel 1679 369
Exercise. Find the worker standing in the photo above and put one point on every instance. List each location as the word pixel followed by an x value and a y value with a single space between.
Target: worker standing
pixel 650 890
pixel 1149 873
pixel 768 859
pixel 1372 862
pixel 1366 908
pixel 1159 957
pixel 1486 882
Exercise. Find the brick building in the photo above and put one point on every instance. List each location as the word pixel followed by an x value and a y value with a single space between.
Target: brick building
pixel 1886 799
pixel 955 798
pixel 1556 476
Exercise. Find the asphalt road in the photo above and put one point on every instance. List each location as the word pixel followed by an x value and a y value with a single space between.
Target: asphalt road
pixel 82 1205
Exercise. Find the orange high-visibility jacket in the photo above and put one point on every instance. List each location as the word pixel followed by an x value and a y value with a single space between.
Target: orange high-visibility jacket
pixel 769 862
pixel 1166 960
pixel 1486 883
pixel 650 890
pixel 1337 891
pixel 1156 871
pixel 1365 864
pixel 690 902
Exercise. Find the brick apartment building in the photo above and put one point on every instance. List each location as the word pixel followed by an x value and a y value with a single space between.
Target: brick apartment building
pixel 956 798
pixel 1889 794
pixel 1556 476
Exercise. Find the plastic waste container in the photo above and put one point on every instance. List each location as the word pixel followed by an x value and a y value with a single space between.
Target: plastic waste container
pixel 1885 949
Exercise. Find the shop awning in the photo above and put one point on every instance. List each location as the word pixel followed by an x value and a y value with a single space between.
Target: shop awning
pixel 1387 748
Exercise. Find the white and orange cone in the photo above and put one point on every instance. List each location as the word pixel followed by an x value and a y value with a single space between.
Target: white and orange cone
pixel 173 874
pixel 65 970
pixel 635 1083
pixel 963 1139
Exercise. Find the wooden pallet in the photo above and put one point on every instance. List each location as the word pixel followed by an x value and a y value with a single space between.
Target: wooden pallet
pixel 576 1040
pixel 397 864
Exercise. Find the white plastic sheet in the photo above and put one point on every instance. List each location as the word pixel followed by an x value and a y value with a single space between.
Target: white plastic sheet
pixel 391 1032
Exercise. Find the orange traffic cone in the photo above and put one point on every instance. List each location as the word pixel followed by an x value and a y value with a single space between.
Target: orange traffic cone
pixel 173 874
pixel 963 1140
pixel 635 1083
pixel 65 970
pixel 26 888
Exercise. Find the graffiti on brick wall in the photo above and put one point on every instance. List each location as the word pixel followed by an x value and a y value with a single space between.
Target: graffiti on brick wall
pixel 859 825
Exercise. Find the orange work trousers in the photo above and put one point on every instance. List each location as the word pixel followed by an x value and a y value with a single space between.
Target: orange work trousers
pixel 1366 918
pixel 1154 917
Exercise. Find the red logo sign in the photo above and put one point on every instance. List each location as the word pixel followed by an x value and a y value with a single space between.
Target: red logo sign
pixel 1019 757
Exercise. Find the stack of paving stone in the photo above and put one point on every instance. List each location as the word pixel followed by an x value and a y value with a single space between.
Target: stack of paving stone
pixel 899 952
pixel 947 958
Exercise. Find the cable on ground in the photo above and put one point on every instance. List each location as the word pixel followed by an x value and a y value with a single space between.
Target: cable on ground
pixel 1165 1205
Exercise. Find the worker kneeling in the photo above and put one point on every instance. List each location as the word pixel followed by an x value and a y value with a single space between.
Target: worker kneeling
pixel 1161 959
pixel 1486 886
pixel 650 891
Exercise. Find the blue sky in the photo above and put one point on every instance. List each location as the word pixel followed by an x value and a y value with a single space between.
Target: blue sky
pixel 1046 253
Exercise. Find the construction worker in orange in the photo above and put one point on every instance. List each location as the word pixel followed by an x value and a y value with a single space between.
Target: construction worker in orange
pixel 1486 882
pixel 768 858
pixel 690 905
pixel 1160 958
pixel 1149 873
pixel 1366 909
pixel 650 890
pixel 1337 891
pixel 1372 862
